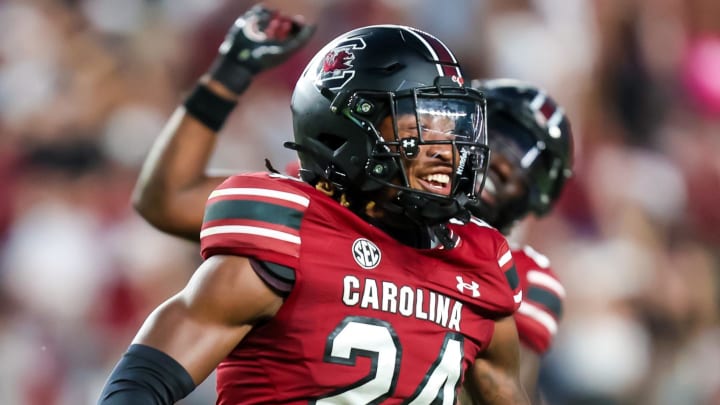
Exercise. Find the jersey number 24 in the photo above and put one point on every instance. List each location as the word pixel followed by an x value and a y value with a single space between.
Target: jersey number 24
pixel 377 340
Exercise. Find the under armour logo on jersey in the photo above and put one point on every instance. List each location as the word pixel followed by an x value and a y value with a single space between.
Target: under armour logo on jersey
pixel 472 286
pixel 366 254
pixel 410 147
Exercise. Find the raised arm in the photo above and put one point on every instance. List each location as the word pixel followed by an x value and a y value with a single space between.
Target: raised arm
pixel 186 337
pixel 495 377
pixel 173 184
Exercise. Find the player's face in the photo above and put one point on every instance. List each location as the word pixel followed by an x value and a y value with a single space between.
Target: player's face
pixel 505 181
pixel 431 168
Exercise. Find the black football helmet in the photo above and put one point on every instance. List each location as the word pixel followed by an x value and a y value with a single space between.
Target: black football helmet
pixel 525 123
pixel 357 81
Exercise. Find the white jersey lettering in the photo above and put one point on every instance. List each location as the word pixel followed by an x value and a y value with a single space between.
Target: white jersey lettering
pixel 407 301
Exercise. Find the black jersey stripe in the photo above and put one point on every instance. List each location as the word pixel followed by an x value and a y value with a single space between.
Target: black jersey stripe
pixel 547 298
pixel 254 210
pixel 512 277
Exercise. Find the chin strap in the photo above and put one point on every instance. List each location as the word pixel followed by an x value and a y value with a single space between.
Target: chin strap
pixel 413 233
pixel 427 211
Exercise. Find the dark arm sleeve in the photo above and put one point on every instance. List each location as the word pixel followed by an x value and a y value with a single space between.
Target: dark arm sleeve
pixel 280 278
pixel 146 376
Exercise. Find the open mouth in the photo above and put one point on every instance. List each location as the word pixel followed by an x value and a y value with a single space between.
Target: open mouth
pixel 437 183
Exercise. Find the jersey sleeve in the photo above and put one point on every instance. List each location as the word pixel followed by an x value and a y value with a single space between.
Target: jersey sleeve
pixel 507 266
pixel 501 292
pixel 255 216
pixel 540 312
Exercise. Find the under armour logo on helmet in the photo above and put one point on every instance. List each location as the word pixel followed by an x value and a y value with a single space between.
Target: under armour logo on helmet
pixel 410 147
pixel 408 143
pixel 472 286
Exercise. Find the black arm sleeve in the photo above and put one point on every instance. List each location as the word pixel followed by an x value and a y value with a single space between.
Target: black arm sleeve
pixel 146 376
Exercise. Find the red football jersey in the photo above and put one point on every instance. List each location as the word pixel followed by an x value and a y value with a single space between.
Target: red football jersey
pixel 538 316
pixel 367 319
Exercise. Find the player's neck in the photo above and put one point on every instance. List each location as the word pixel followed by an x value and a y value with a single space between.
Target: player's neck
pixel 416 236
pixel 405 232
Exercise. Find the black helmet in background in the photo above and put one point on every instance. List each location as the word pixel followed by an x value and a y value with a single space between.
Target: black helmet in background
pixel 530 132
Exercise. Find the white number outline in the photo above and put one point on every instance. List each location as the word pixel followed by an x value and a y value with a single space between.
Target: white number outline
pixel 371 380
pixel 452 341
pixel 451 351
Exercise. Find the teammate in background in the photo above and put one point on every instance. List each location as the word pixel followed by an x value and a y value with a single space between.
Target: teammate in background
pixel 357 284
pixel 531 158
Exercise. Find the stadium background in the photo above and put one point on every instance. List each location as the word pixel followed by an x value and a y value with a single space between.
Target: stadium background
pixel 86 85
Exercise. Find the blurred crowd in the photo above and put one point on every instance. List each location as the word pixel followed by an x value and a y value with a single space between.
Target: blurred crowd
pixel 85 86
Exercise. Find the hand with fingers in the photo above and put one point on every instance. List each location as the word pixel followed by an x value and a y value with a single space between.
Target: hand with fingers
pixel 258 40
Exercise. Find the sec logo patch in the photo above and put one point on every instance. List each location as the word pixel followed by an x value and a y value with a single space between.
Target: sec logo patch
pixel 366 254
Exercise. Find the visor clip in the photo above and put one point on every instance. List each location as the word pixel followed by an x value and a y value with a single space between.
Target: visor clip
pixel 363 106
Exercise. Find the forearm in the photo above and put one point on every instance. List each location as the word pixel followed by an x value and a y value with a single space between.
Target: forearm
pixel 497 389
pixel 146 376
pixel 529 372
pixel 173 185
pixel 495 376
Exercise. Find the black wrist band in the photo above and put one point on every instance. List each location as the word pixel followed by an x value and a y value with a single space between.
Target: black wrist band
pixel 208 108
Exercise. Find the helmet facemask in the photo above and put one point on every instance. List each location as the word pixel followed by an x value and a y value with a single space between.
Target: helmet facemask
pixel 429 152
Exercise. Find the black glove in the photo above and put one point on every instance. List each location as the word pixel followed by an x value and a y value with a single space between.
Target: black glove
pixel 260 39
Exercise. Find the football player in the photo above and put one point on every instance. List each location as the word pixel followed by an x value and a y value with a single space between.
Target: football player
pixel 531 143
pixel 355 284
